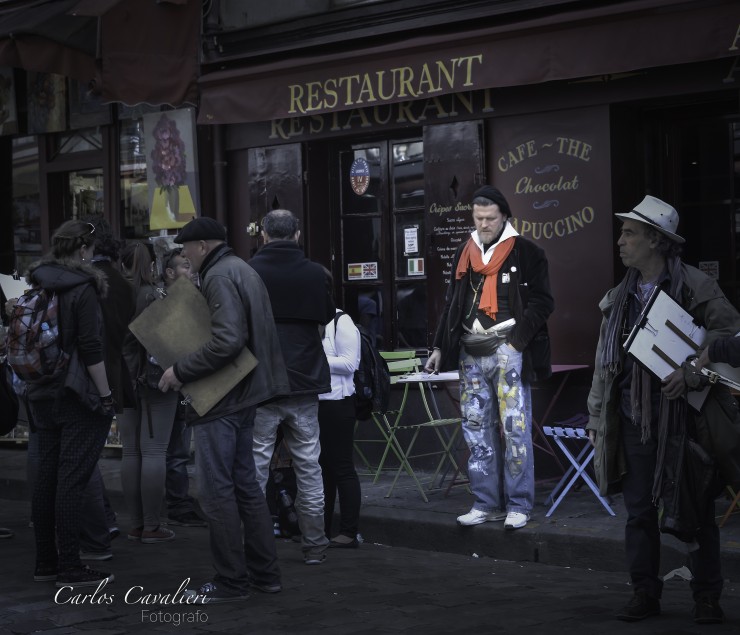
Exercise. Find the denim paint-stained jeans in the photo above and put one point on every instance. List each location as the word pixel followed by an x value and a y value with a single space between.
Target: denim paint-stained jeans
pixel 497 425
pixel 231 497
pixel 300 423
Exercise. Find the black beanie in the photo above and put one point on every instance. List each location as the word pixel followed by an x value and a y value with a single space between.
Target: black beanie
pixel 494 194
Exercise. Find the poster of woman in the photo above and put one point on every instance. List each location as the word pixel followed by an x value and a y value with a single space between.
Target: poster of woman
pixel 171 168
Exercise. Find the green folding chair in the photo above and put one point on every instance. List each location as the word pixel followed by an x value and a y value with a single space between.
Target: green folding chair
pixel 399 363
pixel 441 443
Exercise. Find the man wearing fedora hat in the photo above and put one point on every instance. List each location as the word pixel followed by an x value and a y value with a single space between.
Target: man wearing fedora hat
pixel 494 329
pixel 241 533
pixel 633 414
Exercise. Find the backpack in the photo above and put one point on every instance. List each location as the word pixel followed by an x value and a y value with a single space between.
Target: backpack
pixel 34 348
pixel 372 378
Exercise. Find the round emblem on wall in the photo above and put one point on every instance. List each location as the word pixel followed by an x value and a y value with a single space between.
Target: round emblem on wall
pixel 359 176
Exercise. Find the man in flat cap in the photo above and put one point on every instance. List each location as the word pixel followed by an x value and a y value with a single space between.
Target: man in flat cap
pixel 230 495
pixel 494 329
pixel 640 426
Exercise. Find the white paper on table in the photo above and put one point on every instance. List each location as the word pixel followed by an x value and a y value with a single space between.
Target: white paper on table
pixel 451 375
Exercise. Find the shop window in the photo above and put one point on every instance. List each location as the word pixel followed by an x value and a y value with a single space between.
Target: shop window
pixel 90 139
pixel 411 311
pixel 134 189
pixel 365 304
pixel 408 175
pixel 362 248
pixel 26 202
pixel 85 194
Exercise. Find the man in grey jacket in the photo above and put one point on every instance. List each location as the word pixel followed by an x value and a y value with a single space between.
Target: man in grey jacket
pixel 632 413
pixel 230 495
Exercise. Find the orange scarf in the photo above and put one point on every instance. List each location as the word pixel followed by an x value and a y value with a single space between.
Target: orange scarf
pixel 471 256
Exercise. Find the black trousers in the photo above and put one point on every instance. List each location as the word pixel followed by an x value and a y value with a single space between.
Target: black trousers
pixel 71 438
pixel 337 426
pixel 642 534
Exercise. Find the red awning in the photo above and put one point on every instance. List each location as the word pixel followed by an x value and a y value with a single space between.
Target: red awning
pixel 44 37
pixel 614 38
pixel 150 52
pixel 137 51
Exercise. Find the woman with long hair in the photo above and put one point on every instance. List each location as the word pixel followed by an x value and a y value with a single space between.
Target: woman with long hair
pixel 145 431
pixel 73 409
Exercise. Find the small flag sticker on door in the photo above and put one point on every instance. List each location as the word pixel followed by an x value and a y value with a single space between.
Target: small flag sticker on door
pixel 416 266
pixel 362 271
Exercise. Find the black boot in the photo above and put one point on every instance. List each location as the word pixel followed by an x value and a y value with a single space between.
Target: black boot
pixel 707 610
pixel 639 607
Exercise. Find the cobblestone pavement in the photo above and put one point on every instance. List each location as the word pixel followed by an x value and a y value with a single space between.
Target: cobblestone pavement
pixel 374 589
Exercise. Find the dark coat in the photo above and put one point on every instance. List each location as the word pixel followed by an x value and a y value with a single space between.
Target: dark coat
pixel 531 304
pixel 134 353
pixel 726 350
pixel 300 294
pixel 704 300
pixel 118 312
pixel 240 316
pixel 79 287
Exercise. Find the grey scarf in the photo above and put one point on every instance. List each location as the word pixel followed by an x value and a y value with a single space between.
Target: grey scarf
pixel 611 359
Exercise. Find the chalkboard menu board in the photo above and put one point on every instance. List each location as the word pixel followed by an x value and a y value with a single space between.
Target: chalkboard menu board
pixel 453 170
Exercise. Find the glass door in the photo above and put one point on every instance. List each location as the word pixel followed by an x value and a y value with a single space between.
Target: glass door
pixel 84 193
pixel 382 240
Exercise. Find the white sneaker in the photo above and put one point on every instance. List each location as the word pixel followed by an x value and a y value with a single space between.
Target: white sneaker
pixel 476 517
pixel 515 520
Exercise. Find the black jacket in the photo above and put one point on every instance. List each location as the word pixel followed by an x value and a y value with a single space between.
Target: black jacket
pixel 240 316
pixel 300 294
pixel 726 350
pixel 79 287
pixel 118 311
pixel 531 304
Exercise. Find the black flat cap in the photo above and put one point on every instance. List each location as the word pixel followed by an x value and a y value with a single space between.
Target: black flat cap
pixel 495 195
pixel 201 228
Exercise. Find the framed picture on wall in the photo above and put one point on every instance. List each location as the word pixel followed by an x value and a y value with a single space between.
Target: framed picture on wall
pixel 85 109
pixel 171 168
pixel 47 103
pixel 8 112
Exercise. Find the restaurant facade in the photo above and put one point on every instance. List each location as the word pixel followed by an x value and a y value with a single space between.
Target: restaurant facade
pixel 375 122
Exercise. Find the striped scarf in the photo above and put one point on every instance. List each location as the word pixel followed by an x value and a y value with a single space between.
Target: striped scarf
pixel 611 361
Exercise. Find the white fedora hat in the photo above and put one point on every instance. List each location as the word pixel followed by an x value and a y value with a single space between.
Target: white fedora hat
pixel 658 214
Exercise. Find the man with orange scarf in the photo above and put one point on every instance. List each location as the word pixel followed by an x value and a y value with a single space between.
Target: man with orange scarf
pixel 494 326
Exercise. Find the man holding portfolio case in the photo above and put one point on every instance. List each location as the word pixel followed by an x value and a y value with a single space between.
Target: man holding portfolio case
pixel 644 433
pixel 241 535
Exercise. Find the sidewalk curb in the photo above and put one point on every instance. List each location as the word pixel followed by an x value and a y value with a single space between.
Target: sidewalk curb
pixel 534 543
